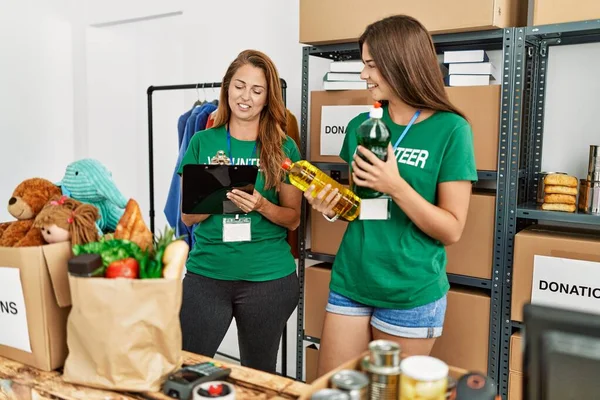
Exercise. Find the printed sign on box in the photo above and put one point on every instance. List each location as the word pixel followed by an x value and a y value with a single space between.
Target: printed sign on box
pixel 334 120
pixel 13 317
pixel 566 283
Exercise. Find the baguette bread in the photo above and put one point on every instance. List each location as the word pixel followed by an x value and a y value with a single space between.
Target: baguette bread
pixel 550 189
pixel 559 207
pixel 560 180
pixel 132 227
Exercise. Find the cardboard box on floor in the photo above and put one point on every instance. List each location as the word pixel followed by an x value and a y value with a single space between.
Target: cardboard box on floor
pixel 560 11
pixel 480 104
pixel 566 243
pixel 47 299
pixel 472 255
pixel 312 358
pixel 336 21
pixel 355 364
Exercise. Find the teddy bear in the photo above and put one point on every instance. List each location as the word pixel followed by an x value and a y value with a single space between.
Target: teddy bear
pixel 27 200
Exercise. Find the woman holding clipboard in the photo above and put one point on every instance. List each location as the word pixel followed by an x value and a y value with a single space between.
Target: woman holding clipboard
pixel 241 266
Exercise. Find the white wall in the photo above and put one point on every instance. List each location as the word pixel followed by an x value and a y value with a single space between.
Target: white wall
pixel 36 99
pixel 74 76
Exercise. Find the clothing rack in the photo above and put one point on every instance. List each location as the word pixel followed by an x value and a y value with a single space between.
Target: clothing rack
pixel 209 85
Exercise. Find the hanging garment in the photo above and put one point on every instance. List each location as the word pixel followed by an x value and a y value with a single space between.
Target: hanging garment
pixel 172 210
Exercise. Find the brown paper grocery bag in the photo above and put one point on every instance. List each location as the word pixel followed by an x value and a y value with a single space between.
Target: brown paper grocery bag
pixel 123 334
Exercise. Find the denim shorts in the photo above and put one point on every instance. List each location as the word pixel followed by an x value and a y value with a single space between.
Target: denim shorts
pixel 420 322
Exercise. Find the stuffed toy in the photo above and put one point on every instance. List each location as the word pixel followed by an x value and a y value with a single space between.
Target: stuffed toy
pixel 64 219
pixel 90 182
pixel 26 202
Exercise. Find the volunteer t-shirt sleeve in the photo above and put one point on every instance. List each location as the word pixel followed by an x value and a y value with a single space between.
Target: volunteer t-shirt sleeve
pixel 191 156
pixel 458 162
pixel 292 152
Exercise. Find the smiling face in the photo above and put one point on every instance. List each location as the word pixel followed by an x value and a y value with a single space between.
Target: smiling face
pixel 247 93
pixel 377 85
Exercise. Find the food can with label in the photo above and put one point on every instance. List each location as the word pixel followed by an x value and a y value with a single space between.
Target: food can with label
pixel 330 394
pixel 355 383
pixel 540 187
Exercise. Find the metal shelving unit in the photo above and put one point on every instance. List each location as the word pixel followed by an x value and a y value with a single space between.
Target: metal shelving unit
pixel 532 46
pixel 500 39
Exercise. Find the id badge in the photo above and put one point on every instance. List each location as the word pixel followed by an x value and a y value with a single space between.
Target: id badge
pixel 237 229
pixel 375 209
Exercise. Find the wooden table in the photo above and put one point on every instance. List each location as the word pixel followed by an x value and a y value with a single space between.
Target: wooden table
pixel 21 382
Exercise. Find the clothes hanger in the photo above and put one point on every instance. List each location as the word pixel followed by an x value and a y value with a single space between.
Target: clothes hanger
pixel 199 102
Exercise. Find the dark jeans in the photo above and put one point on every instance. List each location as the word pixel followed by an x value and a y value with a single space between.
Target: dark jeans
pixel 260 309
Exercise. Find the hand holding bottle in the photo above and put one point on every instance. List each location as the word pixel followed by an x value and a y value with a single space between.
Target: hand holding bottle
pixel 378 175
pixel 325 200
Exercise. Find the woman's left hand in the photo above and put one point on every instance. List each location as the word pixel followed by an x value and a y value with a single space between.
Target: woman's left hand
pixel 379 175
pixel 246 202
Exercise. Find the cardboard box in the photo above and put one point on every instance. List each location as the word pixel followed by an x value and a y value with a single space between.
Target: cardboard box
pixel 480 104
pixel 311 361
pixel 325 236
pixel 332 98
pixel 465 340
pixel 47 300
pixel 516 353
pixel 472 255
pixel 354 364
pixel 554 242
pixel 515 386
pixel 336 21
pixel 559 11
pixel 316 291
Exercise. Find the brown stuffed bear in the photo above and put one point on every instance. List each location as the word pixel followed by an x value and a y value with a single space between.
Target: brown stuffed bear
pixel 27 201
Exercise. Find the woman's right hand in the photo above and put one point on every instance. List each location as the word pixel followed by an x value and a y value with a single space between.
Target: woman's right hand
pixel 325 200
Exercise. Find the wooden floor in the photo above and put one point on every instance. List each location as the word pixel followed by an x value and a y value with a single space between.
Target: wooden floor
pixel 21 382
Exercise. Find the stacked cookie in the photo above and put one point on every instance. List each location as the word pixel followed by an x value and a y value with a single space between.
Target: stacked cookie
pixel 560 193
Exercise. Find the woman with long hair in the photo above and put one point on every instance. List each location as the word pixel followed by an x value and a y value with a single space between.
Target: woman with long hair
pixel 252 278
pixel 389 276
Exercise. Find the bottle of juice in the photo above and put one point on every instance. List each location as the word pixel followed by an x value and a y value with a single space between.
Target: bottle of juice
pixel 375 136
pixel 302 174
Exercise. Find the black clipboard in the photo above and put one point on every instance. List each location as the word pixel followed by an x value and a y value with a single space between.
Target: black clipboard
pixel 205 187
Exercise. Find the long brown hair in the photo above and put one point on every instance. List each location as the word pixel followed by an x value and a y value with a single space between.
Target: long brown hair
pixel 405 55
pixel 272 126
pixel 78 218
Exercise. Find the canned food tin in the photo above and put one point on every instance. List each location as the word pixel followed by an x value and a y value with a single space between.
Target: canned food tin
pixel 540 187
pixel 589 197
pixel 330 394
pixel 384 353
pixel 355 383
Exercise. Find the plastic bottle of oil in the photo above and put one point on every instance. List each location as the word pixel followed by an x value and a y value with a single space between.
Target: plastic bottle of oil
pixel 302 174
pixel 375 136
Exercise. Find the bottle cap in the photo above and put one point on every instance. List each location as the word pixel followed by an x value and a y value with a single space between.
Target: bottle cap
pixel 287 164
pixel 84 264
pixel 376 111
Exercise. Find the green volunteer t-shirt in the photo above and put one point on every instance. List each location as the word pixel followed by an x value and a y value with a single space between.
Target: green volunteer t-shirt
pixel 267 256
pixel 392 263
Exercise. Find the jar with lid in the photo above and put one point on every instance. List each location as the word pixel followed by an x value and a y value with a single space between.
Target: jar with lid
pixel 423 378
